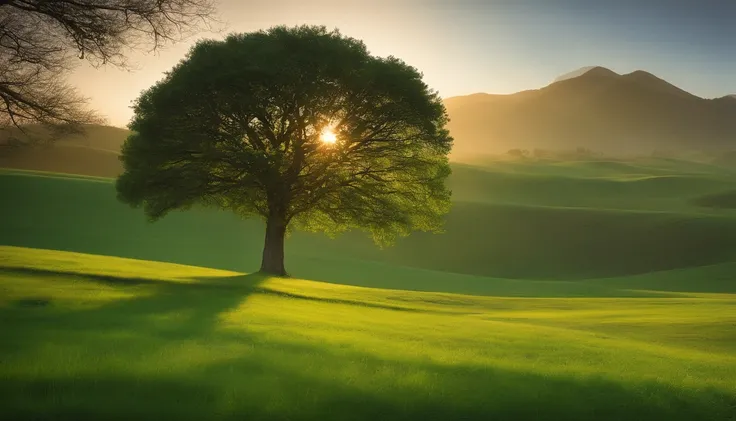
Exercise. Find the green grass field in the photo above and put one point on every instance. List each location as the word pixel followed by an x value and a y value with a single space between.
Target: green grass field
pixel 90 337
pixel 560 290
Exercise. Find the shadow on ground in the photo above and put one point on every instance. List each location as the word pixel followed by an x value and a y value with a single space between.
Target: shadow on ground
pixel 162 355
pixel 265 386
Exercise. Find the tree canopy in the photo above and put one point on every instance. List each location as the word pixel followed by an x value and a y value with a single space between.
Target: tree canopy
pixel 40 38
pixel 300 126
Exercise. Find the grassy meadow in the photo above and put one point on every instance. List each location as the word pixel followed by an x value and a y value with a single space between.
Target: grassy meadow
pixel 91 337
pixel 572 290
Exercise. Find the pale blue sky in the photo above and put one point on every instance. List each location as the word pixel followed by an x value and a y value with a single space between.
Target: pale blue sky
pixel 494 46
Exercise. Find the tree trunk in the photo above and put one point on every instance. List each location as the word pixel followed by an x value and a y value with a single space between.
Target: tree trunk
pixel 273 249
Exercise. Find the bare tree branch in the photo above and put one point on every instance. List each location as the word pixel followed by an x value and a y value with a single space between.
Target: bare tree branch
pixel 39 40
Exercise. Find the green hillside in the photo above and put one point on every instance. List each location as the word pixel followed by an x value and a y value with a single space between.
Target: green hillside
pixel 558 221
pixel 91 337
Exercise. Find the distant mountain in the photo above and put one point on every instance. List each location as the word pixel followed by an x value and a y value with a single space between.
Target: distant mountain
pixel 594 108
pixel 584 70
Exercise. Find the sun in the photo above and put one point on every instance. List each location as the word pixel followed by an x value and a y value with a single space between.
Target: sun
pixel 328 136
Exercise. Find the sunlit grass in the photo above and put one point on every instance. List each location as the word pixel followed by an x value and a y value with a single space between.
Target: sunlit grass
pixel 91 337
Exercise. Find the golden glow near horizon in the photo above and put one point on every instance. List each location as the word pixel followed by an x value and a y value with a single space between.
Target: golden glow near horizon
pixel 504 47
pixel 328 136
pixel 383 25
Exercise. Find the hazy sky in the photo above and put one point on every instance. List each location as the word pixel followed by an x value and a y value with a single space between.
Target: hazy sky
pixel 494 46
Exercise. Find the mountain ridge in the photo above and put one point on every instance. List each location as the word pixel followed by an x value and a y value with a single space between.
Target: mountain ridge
pixel 593 108
pixel 596 109
pixel 583 71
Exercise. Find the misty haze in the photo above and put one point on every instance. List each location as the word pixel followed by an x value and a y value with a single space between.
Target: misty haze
pixel 415 210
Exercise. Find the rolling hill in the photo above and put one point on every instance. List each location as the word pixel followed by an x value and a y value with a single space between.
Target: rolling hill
pixel 568 221
pixel 93 153
pixel 89 337
pixel 594 108
pixel 524 219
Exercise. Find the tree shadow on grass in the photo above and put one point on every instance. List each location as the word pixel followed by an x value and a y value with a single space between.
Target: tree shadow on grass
pixel 356 303
pixel 161 310
pixel 103 279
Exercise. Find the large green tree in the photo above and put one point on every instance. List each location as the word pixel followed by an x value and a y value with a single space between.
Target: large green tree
pixel 300 126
